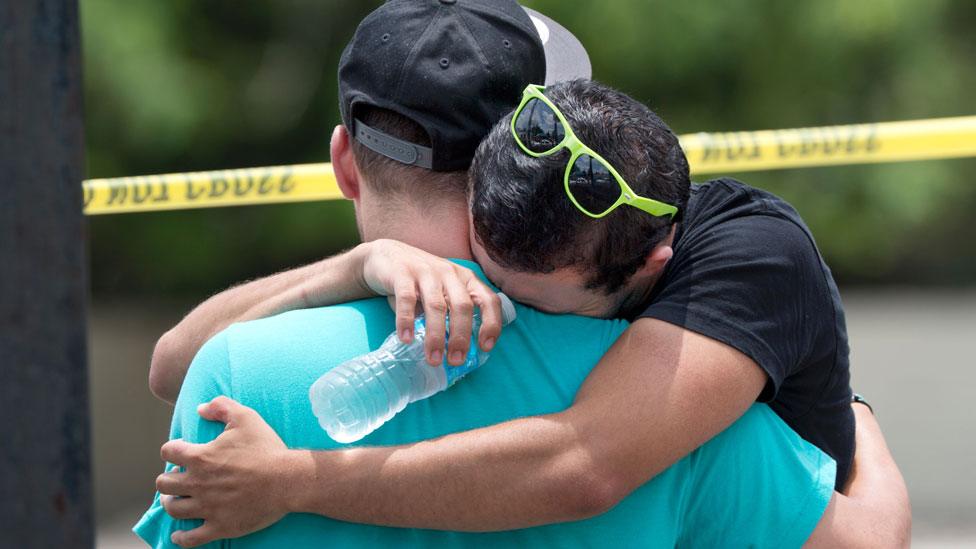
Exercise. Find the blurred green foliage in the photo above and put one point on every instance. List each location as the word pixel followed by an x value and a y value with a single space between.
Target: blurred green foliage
pixel 209 84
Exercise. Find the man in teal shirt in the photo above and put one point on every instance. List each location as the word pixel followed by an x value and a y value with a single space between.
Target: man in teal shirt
pixel 757 483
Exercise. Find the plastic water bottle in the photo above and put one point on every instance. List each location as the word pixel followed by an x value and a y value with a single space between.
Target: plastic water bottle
pixel 353 399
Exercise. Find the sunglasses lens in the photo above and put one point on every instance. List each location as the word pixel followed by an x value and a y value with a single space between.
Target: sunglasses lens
pixel 592 185
pixel 537 127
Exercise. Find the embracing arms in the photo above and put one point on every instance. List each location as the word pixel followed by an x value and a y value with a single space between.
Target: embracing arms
pixel 380 267
pixel 524 472
pixel 635 415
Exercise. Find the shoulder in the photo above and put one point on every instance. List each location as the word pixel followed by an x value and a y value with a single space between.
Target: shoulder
pixel 305 337
pixel 330 325
pixel 729 219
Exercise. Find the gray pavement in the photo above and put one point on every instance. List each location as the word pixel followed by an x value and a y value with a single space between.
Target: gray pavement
pixel 914 356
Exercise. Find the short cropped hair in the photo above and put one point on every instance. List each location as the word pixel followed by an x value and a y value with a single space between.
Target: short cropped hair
pixel 393 179
pixel 523 217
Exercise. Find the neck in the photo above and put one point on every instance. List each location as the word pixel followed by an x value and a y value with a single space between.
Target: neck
pixel 440 228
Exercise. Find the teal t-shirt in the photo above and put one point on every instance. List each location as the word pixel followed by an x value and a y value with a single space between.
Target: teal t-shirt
pixel 755 484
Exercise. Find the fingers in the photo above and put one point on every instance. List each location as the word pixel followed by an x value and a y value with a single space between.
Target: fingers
pixel 435 311
pixel 405 289
pixel 174 484
pixel 461 308
pixel 181 507
pixel 195 537
pixel 226 410
pixel 491 313
pixel 179 452
pixel 218 409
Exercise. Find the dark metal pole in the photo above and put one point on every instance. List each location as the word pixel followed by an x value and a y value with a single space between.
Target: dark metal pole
pixel 45 469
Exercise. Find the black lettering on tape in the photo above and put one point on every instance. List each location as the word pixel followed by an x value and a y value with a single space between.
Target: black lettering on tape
pixel 243 186
pixel 141 191
pixel 808 141
pixel 87 196
pixel 737 149
pixel 710 150
pixel 163 195
pixel 832 142
pixel 287 183
pixel 190 194
pixel 218 186
pixel 782 144
pixel 118 192
pixel 265 185
pixel 872 144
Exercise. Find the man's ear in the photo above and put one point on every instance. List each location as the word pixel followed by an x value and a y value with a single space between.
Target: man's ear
pixel 659 256
pixel 344 164
pixel 657 259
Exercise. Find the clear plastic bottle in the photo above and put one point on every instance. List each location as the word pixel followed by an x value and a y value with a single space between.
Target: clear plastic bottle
pixel 353 399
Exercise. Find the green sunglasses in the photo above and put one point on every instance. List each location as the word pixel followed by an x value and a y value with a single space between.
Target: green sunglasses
pixel 592 184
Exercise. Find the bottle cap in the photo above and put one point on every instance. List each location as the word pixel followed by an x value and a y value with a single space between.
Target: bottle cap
pixel 508 309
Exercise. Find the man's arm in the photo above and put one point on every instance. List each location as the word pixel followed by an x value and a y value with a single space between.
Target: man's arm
pixel 380 267
pixel 333 280
pixel 875 511
pixel 636 414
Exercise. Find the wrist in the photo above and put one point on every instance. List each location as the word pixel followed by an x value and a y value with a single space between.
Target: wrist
pixel 310 480
pixel 295 471
pixel 356 266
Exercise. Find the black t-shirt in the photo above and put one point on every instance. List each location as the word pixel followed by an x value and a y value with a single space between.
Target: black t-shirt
pixel 746 272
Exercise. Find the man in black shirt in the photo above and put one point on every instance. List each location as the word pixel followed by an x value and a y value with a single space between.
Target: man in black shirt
pixel 737 265
pixel 746 272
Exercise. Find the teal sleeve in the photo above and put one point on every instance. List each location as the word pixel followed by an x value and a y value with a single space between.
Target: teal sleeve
pixel 207 378
pixel 757 484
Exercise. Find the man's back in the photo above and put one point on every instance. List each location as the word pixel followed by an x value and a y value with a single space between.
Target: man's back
pixel 536 368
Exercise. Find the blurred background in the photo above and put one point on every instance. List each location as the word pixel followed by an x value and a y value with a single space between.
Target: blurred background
pixel 209 84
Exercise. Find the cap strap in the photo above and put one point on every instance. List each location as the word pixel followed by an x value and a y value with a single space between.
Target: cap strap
pixel 392 147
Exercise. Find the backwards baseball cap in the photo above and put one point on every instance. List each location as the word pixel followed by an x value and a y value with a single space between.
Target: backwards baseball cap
pixel 455 67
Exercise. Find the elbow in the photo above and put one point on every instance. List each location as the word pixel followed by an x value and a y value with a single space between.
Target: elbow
pixel 163 382
pixel 589 490
pixel 886 528
pixel 902 534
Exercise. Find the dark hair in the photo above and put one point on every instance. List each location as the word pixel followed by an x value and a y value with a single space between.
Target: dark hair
pixel 391 178
pixel 526 222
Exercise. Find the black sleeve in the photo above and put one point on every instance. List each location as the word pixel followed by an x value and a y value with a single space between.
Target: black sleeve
pixel 754 283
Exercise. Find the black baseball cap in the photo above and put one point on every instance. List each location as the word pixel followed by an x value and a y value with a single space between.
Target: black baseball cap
pixel 455 67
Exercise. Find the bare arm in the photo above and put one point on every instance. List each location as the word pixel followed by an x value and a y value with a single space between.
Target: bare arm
pixel 331 280
pixel 636 414
pixel 380 267
pixel 875 512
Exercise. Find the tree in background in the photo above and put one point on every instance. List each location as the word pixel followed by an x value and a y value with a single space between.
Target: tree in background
pixel 209 84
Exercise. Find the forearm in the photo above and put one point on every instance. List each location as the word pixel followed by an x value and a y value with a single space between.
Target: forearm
pixel 545 469
pixel 518 474
pixel 333 280
pixel 875 512
pixel 876 483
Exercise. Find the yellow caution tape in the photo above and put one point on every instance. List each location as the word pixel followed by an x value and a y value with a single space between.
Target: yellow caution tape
pixel 830 145
pixel 708 153
pixel 180 191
